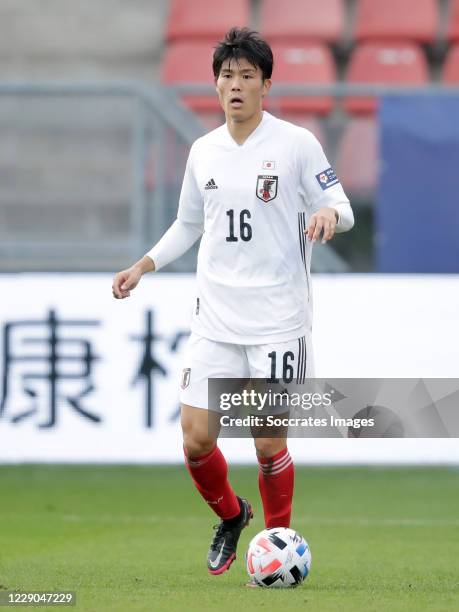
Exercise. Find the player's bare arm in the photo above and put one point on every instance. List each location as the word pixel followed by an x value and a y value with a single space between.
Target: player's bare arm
pixel 127 280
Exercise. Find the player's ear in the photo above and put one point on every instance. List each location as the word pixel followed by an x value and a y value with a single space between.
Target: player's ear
pixel 266 87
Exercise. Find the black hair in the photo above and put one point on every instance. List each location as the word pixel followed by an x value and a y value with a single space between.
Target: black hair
pixel 247 44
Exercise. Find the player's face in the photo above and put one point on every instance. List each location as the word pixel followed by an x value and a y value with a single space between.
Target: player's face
pixel 241 89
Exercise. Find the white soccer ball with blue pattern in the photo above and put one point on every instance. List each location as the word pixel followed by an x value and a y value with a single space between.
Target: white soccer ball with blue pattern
pixel 278 557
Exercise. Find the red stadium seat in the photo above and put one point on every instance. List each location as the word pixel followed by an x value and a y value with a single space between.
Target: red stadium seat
pixel 453 27
pixel 357 163
pixel 204 20
pixel 305 64
pixel 302 20
pixel 191 63
pixel 451 69
pixel 388 64
pixel 415 20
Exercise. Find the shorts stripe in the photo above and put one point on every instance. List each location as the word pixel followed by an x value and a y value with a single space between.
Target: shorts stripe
pixel 305 360
pixel 301 368
pixel 299 361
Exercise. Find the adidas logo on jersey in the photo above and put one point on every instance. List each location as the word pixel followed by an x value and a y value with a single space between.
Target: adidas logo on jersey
pixel 211 185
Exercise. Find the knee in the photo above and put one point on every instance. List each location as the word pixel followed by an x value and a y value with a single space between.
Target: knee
pixel 195 446
pixel 268 447
pixel 196 439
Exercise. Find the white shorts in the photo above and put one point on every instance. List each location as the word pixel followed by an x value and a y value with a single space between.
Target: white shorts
pixel 290 362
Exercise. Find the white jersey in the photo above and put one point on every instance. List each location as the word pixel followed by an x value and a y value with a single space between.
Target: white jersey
pixel 254 201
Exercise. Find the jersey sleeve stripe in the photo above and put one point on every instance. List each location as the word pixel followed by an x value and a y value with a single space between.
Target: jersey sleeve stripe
pixel 302 237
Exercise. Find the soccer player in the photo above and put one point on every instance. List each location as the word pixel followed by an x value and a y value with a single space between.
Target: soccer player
pixel 260 192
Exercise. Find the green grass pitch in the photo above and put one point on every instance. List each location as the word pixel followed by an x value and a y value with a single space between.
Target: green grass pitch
pixel 136 538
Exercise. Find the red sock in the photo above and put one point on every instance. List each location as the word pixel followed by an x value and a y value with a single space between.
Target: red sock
pixel 210 475
pixel 275 479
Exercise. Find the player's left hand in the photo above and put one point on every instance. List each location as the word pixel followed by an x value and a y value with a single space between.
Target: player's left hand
pixel 324 220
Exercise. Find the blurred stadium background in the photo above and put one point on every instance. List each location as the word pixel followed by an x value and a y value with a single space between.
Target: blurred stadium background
pixel 99 104
pixel 95 137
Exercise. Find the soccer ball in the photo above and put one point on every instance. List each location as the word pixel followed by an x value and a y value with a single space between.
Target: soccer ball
pixel 278 557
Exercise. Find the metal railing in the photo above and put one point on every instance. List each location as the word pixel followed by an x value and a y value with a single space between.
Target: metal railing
pixel 90 173
pixel 76 159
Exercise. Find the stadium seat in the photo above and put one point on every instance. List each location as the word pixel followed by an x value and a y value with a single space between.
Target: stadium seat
pixel 415 20
pixel 302 20
pixel 191 62
pixel 357 162
pixel 306 64
pixel 203 20
pixel 453 27
pixel 451 68
pixel 388 64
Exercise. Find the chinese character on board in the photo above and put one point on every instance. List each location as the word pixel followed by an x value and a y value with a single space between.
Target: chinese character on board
pixel 44 366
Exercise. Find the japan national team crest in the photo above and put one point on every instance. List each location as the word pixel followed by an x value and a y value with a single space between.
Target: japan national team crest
pixel 266 187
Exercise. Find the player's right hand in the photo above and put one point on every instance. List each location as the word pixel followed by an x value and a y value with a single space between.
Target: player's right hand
pixel 125 281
